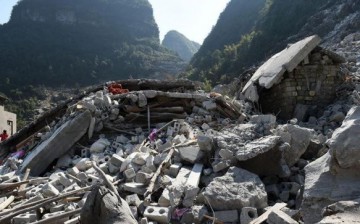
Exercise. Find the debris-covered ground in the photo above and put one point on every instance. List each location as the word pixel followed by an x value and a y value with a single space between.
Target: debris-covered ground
pixel 148 151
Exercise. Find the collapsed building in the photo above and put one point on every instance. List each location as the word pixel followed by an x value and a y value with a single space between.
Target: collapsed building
pixel 299 81
pixel 149 151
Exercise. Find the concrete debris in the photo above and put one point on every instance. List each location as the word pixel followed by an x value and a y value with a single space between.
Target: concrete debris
pixel 238 188
pixel 161 152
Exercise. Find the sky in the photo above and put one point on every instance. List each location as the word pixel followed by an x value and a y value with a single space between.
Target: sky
pixel 193 18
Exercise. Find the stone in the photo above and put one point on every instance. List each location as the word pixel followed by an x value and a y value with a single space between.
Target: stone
pixel 238 188
pixel 174 169
pixel 190 154
pixel 279 217
pixel 342 212
pixel 231 216
pixel 297 137
pixel 142 177
pixel 343 146
pixel 99 146
pixel 267 151
pixel 64 161
pixel 337 117
pixel 264 118
pixel 248 214
pixel 48 190
pixel 205 143
pixel 61 140
pixel 130 173
pixel 133 199
pixel 219 166
pixel 158 214
pixel 196 215
pixel 327 183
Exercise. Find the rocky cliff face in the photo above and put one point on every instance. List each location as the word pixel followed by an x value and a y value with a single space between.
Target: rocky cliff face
pixel 257 29
pixel 64 42
pixel 178 43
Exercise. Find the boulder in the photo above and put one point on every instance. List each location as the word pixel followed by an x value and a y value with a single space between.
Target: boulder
pixel 58 144
pixel 342 212
pixel 326 183
pixel 262 156
pixel 238 188
pixel 297 137
pixel 344 147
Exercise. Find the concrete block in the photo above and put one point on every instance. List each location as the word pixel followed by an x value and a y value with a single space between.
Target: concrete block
pixel 280 217
pixel 133 199
pixel 231 216
pixel 33 192
pixel 63 180
pixel 142 177
pixel 248 214
pixel 136 188
pixel 24 218
pixel 178 139
pixel 150 163
pixel 144 221
pixel 57 208
pixel 205 126
pixel 205 143
pixel 158 214
pixel 113 169
pixel 122 139
pixel 190 154
pixel 140 159
pixel 218 166
pixel 48 190
pixel 192 184
pixel 83 164
pixel 49 215
pixel 116 160
pixel 75 220
pixel 130 173
pixel 174 169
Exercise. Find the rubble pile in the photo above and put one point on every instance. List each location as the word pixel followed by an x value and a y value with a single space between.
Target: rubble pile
pixel 160 153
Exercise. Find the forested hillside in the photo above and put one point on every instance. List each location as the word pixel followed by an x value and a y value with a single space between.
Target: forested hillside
pixel 248 32
pixel 180 44
pixel 66 42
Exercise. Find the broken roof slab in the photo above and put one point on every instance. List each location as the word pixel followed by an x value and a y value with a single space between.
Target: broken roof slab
pixel 272 70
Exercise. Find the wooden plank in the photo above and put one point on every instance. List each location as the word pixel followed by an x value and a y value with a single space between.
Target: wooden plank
pixel 266 214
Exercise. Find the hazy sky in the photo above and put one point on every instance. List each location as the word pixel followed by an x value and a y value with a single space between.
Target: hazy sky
pixel 193 18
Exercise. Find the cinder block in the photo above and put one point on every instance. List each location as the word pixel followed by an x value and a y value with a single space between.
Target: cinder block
pixel 231 216
pixel 174 169
pixel 48 190
pixel 130 173
pixel 248 214
pixel 24 218
pixel 158 214
pixel 116 160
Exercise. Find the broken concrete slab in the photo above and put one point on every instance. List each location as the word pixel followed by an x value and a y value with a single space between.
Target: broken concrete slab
pixel 190 154
pixel 238 188
pixel 297 137
pixel 265 151
pixel 58 144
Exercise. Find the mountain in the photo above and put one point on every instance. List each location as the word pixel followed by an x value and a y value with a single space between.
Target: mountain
pixel 248 32
pixel 178 43
pixel 72 43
